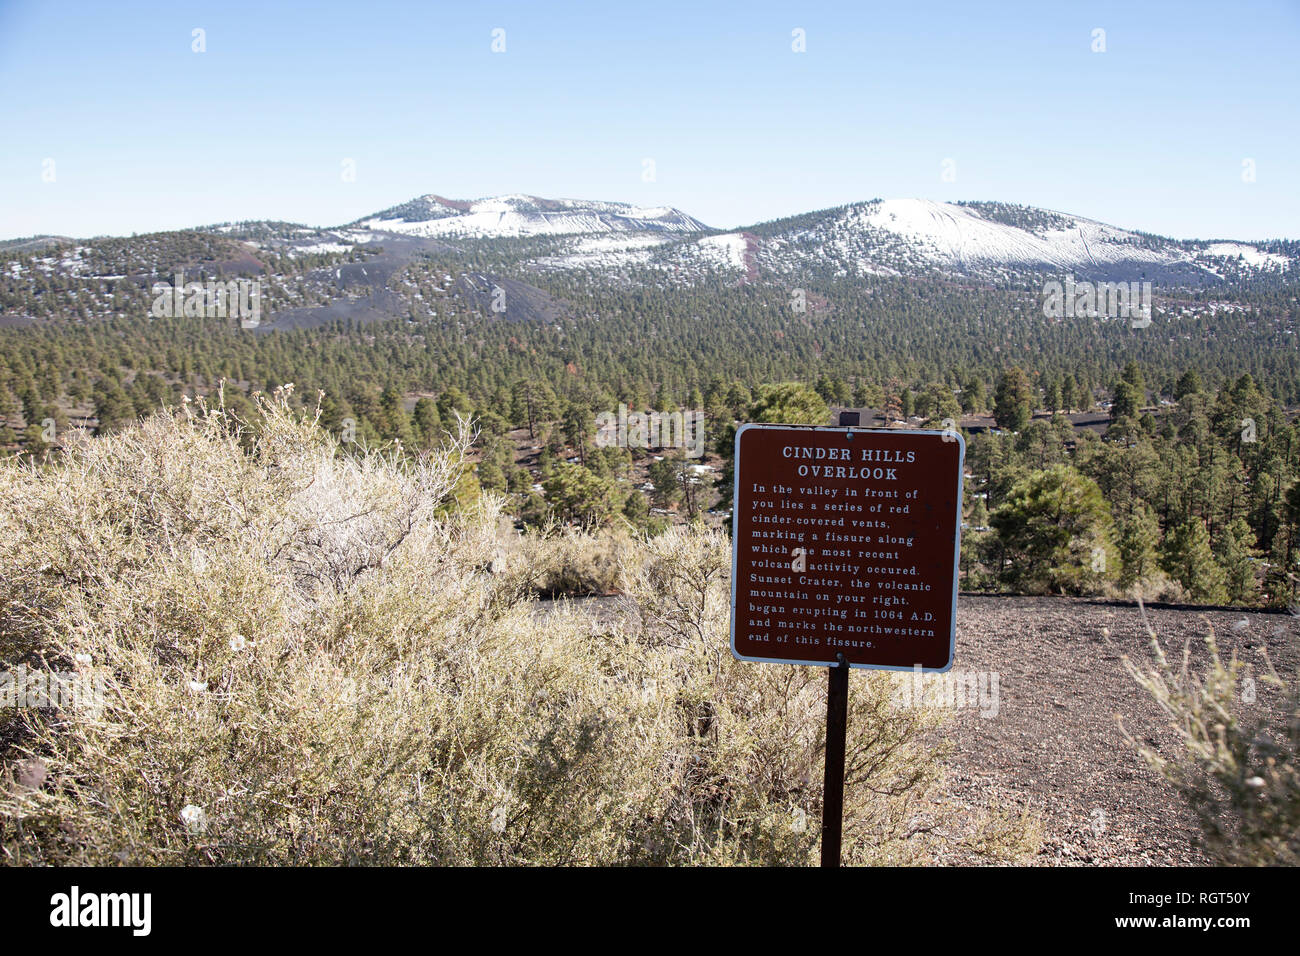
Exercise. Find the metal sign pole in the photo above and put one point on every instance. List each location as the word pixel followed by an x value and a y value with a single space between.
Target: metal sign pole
pixel 837 719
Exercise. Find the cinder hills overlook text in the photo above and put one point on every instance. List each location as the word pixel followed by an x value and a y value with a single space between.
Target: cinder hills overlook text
pixel 873 455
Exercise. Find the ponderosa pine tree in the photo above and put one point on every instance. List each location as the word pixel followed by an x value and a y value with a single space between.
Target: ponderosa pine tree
pixel 1187 558
pixel 1012 401
pixel 1056 533
pixel 1139 544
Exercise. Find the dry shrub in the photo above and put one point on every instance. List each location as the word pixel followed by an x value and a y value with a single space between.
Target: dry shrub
pixel 573 562
pixel 1238 767
pixel 307 659
pixel 1156 588
pixel 757 734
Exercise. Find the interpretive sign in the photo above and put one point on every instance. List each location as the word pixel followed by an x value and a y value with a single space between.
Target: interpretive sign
pixel 845 542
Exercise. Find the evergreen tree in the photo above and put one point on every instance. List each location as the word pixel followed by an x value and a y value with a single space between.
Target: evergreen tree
pixel 1187 558
pixel 1125 402
pixel 1069 392
pixel 1055 532
pixel 972 396
pixel 112 408
pixel 425 422
pixel 1139 542
pixel 1012 400
pixel 1052 395
pixel 1236 555
pixel 1188 384
pixel 789 404
pixel 577 495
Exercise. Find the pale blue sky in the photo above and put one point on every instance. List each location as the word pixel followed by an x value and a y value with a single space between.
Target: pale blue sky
pixel 145 134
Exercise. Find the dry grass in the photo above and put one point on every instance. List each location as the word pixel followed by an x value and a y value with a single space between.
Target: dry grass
pixel 1237 767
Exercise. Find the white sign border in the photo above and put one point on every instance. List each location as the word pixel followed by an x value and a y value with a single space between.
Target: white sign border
pixel 956 556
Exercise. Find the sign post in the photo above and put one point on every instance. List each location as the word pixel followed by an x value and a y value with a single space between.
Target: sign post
pixel 845 545
pixel 837 728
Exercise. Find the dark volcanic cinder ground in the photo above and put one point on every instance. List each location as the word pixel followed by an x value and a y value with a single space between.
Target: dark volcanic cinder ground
pixel 1055 744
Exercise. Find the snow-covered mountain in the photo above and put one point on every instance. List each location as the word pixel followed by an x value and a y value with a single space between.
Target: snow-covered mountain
pixel 993 240
pixel 518 215
pixel 435 257
pixel 909 237
pixel 609 244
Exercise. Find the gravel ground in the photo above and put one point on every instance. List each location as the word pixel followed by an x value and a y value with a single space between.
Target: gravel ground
pixel 1055 744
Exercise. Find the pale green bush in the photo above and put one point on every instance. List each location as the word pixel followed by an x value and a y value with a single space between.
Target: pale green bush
pixel 309 659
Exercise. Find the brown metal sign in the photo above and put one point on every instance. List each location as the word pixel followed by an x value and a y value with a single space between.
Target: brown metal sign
pixel 846 541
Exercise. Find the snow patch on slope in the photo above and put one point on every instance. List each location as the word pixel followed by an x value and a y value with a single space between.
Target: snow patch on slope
pixel 604 252
pixel 519 215
pixel 955 236
pixel 1248 254
pixel 726 251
